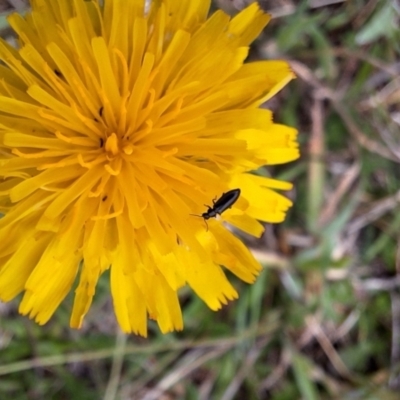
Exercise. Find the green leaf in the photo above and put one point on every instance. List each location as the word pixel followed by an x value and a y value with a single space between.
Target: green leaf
pixel 382 24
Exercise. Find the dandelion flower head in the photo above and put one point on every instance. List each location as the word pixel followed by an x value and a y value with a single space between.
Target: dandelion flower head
pixel 118 120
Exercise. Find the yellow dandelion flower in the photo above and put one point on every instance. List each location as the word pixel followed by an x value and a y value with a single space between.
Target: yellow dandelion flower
pixel 118 121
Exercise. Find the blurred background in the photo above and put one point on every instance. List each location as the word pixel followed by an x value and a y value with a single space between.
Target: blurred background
pixel 323 319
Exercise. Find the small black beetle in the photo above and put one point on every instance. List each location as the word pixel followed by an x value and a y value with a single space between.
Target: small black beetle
pixel 227 200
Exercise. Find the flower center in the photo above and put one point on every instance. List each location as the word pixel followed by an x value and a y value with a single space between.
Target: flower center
pixel 114 145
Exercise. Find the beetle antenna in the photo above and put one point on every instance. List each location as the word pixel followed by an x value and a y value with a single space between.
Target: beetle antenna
pixel 196 215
